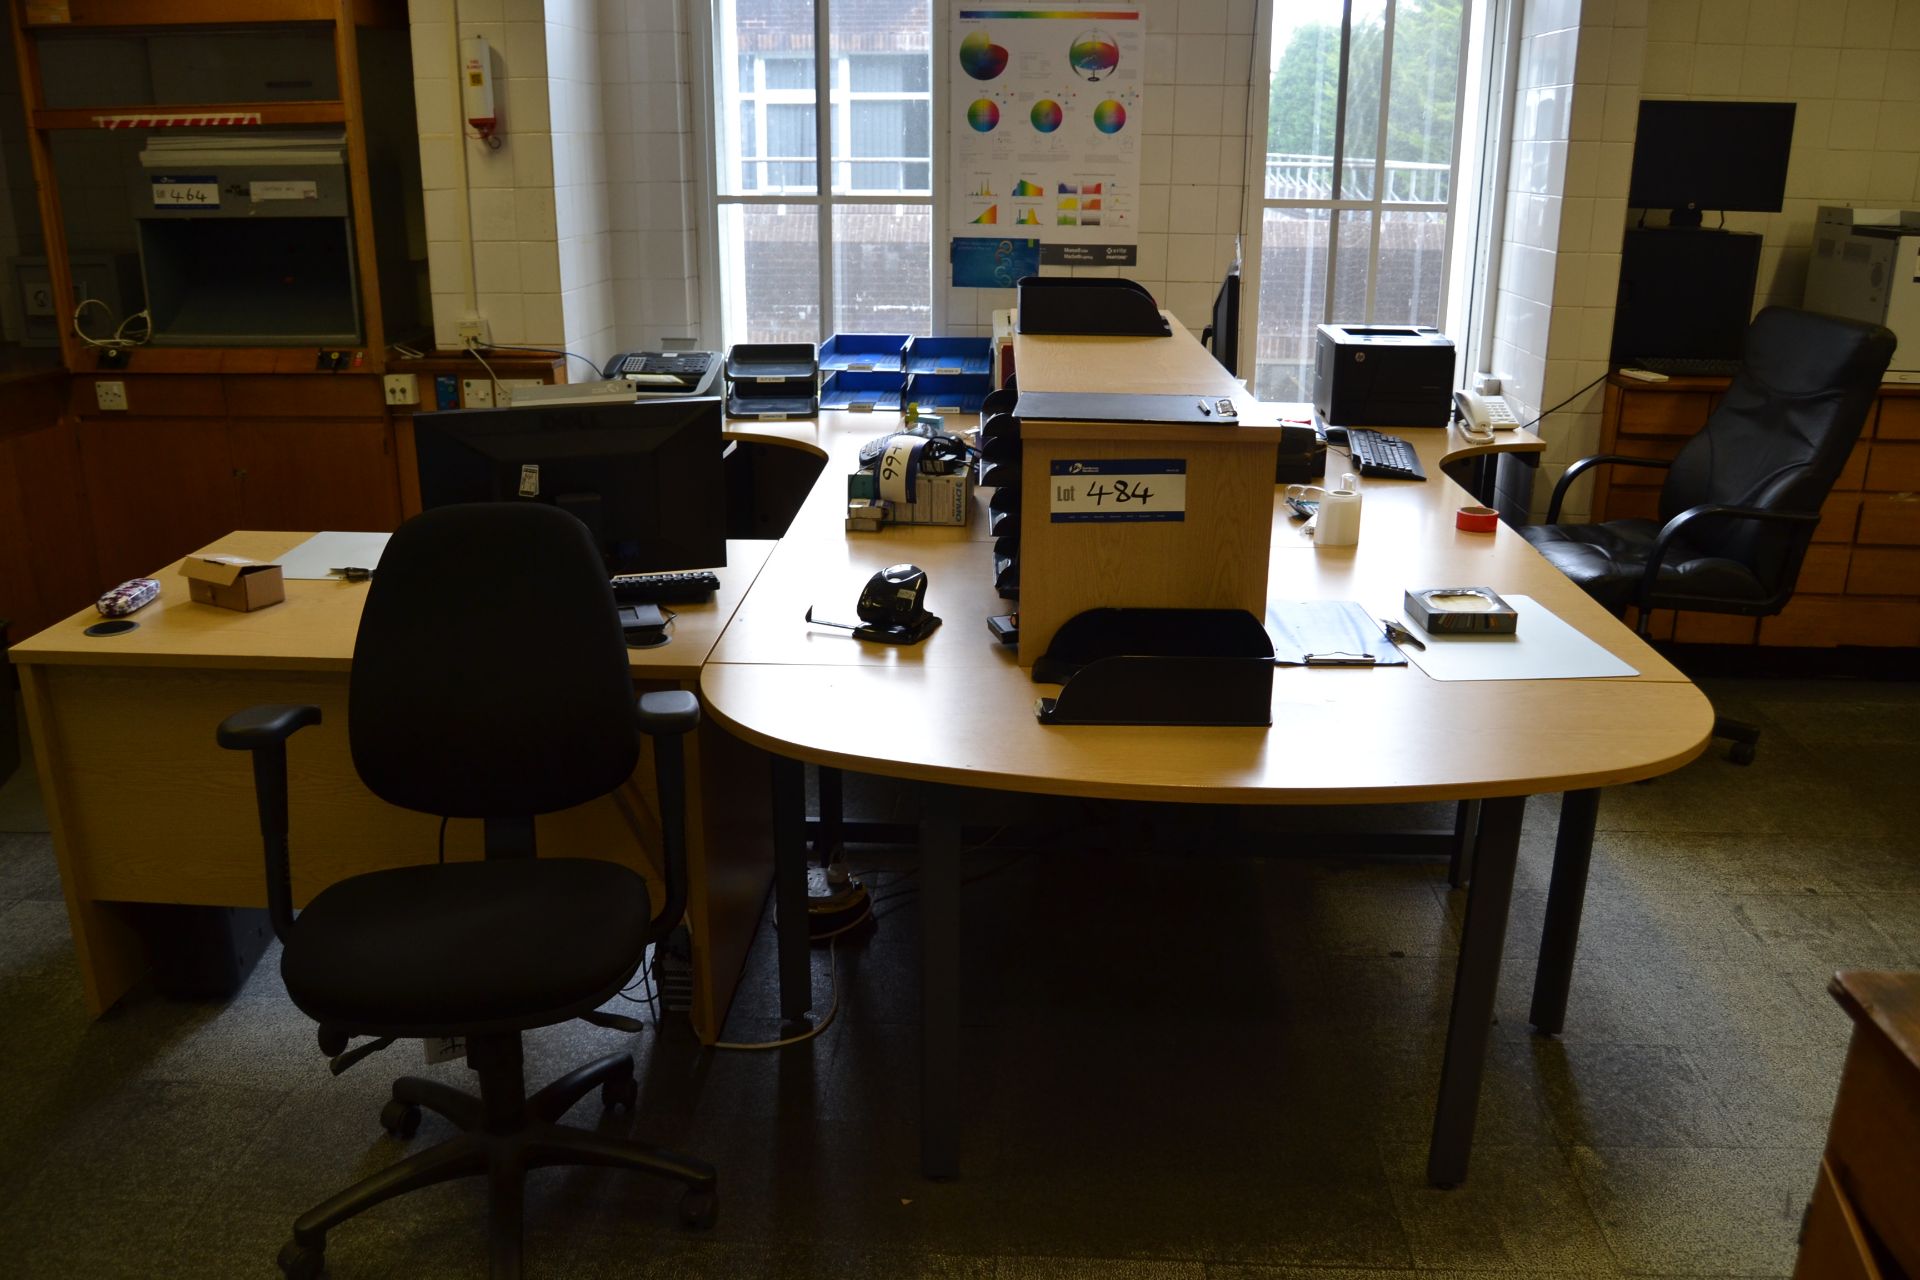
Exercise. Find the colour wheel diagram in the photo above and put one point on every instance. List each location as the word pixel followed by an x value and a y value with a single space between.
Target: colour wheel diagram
pixel 1046 115
pixel 983 114
pixel 1028 189
pixel 1108 117
pixel 981 58
pixel 1094 54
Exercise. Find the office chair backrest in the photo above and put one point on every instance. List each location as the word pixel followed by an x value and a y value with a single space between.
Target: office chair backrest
pixel 1781 435
pixel 490 674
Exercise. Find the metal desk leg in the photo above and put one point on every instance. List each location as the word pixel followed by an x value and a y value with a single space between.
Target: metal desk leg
pixel 1466 829
pixel 790 893
pixel 829 835
pixel 1474 984
pixel 1560 935
pixel 939 984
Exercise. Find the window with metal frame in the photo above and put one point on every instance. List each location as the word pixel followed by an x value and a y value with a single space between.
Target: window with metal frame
pixel 851 80
pixel 1357 202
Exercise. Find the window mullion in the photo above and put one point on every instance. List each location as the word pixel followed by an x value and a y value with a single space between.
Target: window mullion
pixel 1380 158
pixel 823 157
pixel 1339 161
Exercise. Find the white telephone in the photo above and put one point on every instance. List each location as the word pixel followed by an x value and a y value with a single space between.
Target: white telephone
pixel 1481 416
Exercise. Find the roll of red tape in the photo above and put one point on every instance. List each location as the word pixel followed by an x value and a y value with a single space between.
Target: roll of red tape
pixel 1476 519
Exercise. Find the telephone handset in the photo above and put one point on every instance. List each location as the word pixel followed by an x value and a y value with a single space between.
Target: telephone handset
pixel 1481 416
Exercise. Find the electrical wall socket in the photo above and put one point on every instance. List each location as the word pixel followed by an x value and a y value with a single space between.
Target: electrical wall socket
pixel 403 388
pixel 472 331
pixel 476 393
pixel 110 395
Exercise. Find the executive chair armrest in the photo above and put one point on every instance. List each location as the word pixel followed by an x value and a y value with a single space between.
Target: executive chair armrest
pixel 666 717
pixel 1572 473
pixel 1671 530
pixel 264 731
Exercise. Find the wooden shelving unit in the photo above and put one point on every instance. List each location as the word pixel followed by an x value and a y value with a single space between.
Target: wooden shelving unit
pixel 35 18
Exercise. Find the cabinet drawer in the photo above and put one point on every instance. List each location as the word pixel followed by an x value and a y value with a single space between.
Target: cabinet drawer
pixel 1884 571
pixel 1824 571
pixel 1889 521
pixel 1713 628
pixel 1812 621
pixel 1892 468
pixel 1838 516
pixel 1833 1247
pixel 1853 476
pixel 1632 504
pixel 327 395
pixel 1899 418
pixel 1664 413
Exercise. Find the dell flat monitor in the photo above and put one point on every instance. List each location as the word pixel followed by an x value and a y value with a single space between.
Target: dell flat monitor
pixel 1223 335
pixel 1692 156
pixel 645 478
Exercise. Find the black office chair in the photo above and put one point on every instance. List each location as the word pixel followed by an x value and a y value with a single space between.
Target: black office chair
pixel 1222 337
pixel 1741 500
pixel 490 681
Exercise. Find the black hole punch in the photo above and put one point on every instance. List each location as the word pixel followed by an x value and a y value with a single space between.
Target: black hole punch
pixel 113 627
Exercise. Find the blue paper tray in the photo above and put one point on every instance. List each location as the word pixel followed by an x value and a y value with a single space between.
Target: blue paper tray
pixel 948 392
pixel 951 356
pixel 862 391
pixel 864 352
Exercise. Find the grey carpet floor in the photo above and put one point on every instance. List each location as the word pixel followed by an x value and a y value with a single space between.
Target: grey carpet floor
pixel 1197 1045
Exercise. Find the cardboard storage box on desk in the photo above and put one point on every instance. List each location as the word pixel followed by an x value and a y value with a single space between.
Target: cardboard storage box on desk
pixel 233 582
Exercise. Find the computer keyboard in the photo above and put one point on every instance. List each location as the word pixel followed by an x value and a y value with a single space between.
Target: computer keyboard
pixel 663 588
pixel 1687 366
pixel 1378 454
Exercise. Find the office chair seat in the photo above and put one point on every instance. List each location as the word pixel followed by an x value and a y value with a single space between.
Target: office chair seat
pixel 467 947
pixel 1608 560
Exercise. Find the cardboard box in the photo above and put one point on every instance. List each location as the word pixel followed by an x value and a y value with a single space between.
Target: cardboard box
pixel 944 499
pixel 233 582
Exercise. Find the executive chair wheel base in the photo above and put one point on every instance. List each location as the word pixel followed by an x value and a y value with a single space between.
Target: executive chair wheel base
pixel 699 1209
pixel 1745 738
pixel 301 1262
pixel 400 1119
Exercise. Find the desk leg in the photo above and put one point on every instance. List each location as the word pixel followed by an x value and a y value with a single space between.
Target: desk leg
pixel 940 984
pixel 830 835
pixel 1560 935
pixel 1466 829
pixel 790 893
pixel 1474 984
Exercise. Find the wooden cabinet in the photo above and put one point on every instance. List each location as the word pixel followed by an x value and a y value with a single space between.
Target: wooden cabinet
pixel 1860 584
pixel 1865 1217
pixel 47 563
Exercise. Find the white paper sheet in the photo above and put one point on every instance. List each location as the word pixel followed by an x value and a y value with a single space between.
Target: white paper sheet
pixel 332 550
pixel 1543 647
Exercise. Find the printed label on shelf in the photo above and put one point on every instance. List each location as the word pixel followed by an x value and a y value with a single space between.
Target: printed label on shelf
pixel 193 191
pixel 1118 489
pixel 285 189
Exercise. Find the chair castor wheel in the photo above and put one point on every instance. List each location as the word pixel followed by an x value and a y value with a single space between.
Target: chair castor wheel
pixel 1741 753
pixel 299 1262
pixel 401 1119
pixel 619 1091
pixel 699 1209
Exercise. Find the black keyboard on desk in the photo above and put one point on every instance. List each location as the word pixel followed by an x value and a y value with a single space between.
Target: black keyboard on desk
pixel 663 588
pixel 1377 454
pixel 1687 366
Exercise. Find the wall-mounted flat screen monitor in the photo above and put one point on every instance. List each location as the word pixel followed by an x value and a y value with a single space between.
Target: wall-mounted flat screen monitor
pixel 1699 155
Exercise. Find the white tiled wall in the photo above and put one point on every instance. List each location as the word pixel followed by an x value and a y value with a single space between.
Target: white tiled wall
pixel 510 191
pixel 579 143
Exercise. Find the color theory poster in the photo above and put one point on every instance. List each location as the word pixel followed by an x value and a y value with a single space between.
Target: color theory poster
pixel 1046 133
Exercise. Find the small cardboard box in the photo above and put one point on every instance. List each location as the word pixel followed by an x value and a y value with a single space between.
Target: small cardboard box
pixel 233 582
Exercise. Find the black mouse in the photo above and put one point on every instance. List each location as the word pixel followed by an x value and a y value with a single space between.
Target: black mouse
pixel 1335 435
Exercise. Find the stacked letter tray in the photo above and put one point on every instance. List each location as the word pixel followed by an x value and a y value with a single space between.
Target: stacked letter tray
pixel 773 380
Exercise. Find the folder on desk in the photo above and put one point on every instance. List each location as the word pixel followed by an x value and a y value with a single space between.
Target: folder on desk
pixel 1329 633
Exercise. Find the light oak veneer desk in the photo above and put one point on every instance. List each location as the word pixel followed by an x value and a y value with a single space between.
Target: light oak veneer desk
pixel 957 712
pixel 145 808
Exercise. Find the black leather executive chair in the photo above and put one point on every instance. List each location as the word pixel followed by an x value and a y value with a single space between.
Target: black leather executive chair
pixel 1740 501
pixel 489 681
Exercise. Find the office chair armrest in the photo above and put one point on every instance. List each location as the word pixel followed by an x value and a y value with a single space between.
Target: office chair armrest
pixel 1649 577
pixel 666 717
pixel 1572 473
pixel 670 712
pixel 264 732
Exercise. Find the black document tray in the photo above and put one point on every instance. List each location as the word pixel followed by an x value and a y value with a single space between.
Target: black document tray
pixel 1159 667
pixel 772 362
pixel 1095 305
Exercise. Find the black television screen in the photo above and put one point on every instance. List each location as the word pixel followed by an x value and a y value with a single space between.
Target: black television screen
pixel 1691 156
pixel 646 478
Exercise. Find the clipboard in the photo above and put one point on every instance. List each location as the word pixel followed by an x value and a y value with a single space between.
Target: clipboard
pixel 1329 633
